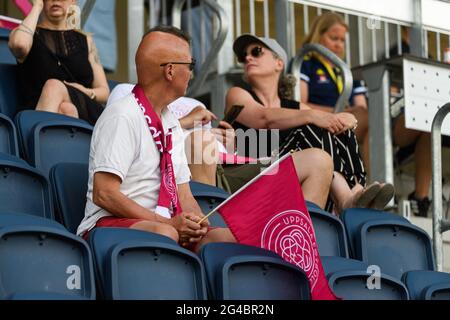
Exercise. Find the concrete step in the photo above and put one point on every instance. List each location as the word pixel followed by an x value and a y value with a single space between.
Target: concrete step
pixel 427 225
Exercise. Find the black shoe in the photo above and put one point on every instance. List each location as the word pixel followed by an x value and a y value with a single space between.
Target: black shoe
pixel 419 207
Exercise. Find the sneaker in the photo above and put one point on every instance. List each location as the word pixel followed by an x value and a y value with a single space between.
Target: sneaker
pixel 419 207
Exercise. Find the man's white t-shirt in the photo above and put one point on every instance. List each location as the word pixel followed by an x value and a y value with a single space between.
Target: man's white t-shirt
pixel 122 145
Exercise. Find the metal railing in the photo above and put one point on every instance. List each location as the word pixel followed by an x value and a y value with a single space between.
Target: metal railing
pixel 370 38
pixel 440 225
pixel 207 64
pixel 346 73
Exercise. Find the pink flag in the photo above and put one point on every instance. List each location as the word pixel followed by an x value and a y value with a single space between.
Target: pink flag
pixel 9 23
pixel 24 5
pixel 270 212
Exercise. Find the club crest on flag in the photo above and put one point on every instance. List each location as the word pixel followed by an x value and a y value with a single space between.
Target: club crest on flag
pixel 290 235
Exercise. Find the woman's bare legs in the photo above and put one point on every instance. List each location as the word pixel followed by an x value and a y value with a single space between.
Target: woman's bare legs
pixel 55 98
pixel 202 155
pixel 404 137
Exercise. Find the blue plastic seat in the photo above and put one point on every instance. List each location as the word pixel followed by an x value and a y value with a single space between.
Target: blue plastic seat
pixel 208 198
pixel 139 265
pixel 69 185
pixel 428 285
pixel 9 96
pixel 23 189
pixel 395 246
pixel 388 241
pixel 8 136
pixel 19 219
pixel 330 232
pixel 50 138
pixel 5 54
pixel 354 218
pixel 43 263
pixel 240 272
pixel 349 279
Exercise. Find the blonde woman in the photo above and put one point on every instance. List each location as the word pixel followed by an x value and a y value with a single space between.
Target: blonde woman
pixel 59 68
pixel 322 83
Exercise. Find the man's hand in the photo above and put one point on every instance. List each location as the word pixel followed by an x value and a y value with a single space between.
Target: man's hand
pixel 328 121
pixel 225 134
pixel 196 116
pixel 188 228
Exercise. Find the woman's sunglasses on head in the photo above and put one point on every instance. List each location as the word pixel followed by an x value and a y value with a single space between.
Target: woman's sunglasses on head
pixel 256 52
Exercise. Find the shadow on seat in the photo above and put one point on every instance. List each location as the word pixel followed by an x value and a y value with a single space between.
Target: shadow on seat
pixel 139 265
pixel 8 136
pixel 355 280
pixel 23 189
pixel 428 285
pixel 240 272
pixel 50 138
pixel 330 232
pixel 69 183
pixel 9 96
pixel 42 262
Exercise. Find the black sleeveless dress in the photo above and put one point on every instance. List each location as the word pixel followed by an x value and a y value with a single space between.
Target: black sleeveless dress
pixel 343 148
pixel 61 55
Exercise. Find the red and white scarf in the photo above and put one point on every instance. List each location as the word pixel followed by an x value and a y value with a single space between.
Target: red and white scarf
pixel 168 202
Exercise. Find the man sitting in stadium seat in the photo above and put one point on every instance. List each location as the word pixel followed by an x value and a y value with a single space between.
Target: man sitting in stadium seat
pixel 137 143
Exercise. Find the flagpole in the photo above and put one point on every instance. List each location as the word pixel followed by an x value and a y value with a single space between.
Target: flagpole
pixel 245 186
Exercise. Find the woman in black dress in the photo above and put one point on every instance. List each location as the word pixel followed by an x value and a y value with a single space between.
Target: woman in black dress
pixel 301 127
pixel 59 68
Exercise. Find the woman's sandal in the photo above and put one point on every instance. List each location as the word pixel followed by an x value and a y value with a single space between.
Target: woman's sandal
pixel 383 197
pixel 365 197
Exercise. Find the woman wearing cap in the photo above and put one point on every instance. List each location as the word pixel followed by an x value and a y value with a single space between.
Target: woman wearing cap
pixel 300 127
pixel 322 83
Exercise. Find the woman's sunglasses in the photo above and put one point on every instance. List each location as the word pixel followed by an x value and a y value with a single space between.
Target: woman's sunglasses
pixel 256 52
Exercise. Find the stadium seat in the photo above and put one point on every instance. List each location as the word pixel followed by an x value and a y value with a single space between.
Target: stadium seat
pixel 42 263
pixel 428 285
pixel 69 183
pixel 138 265
pixel 349 280
pixel 239 272
pixel 9 97
pixel 354 218
pixel 23 189
pixel 20 219
pixel 209 197
pixel 330 232
pixel 112 84
pixel 50 138
pixel 8 136
pixel 395 246
pixel 5 54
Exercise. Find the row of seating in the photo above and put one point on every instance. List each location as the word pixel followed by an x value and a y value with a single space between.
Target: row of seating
pixel 69 186
pixel 49 140
pixel 45 261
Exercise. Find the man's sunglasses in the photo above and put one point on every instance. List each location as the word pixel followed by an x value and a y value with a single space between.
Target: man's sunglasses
pixel 256 52
pixel 191 64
